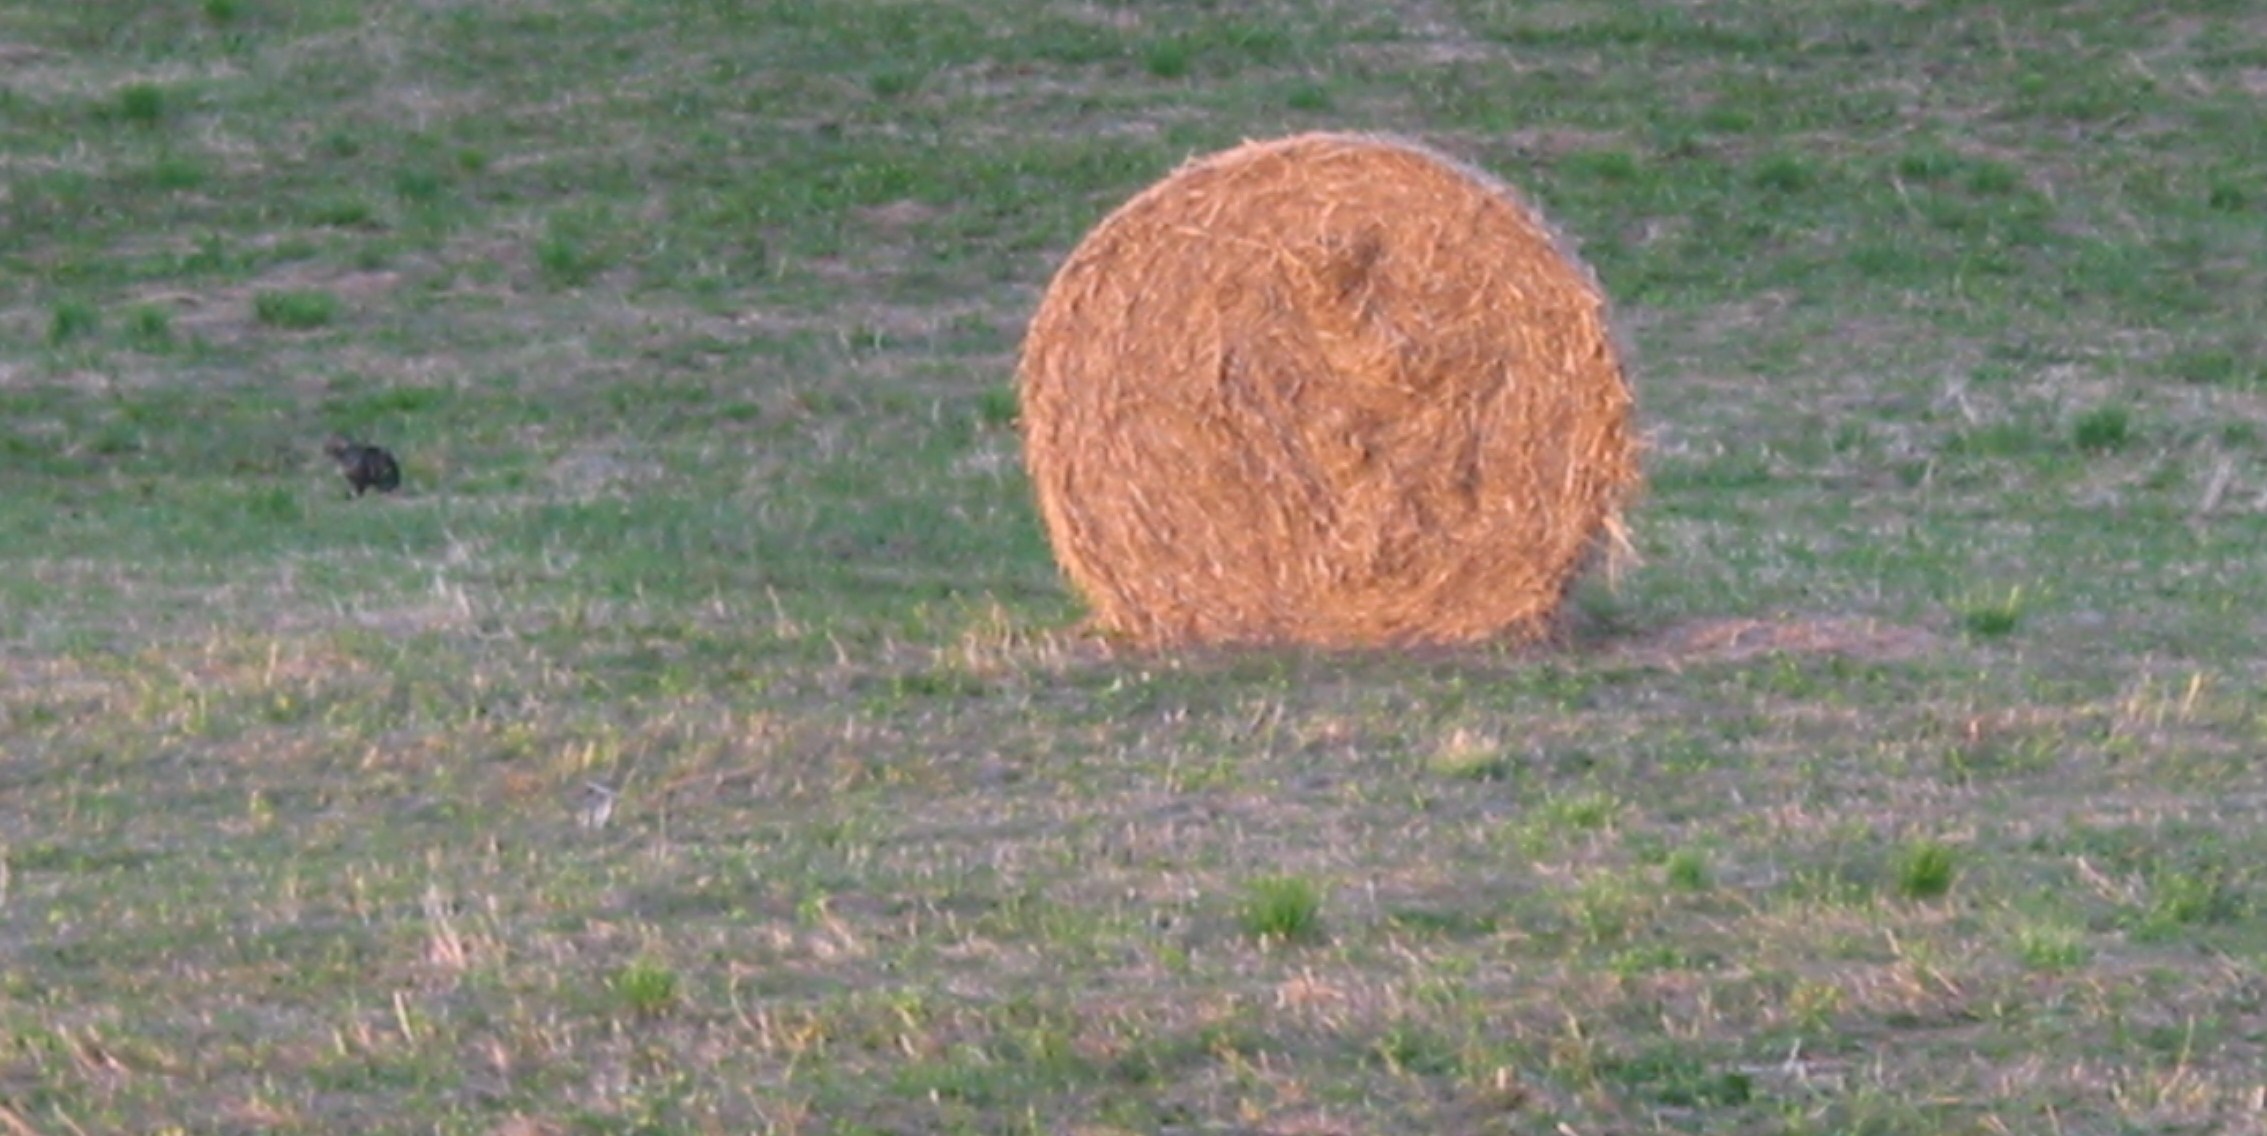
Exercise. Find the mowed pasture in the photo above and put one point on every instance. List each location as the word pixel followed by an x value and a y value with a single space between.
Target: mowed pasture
pixel 703 741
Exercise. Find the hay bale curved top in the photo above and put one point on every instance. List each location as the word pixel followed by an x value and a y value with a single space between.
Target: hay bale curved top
pixel 1331 389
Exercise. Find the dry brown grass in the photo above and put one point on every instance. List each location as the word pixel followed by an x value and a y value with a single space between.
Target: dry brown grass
pixel 1336 390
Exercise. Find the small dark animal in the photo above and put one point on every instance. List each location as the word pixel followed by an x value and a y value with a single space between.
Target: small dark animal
pixel 366 467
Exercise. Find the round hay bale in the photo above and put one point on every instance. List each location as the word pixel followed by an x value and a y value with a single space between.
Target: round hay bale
pixel 1333 390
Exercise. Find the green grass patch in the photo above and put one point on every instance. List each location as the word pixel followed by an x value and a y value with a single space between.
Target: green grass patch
pixel 2051 947
pixel 1167 59
pixel 1993 617
pixel 1283 909
pixel 150 325
pixel 142 104
pixel 296 309
pixel 646 988
pixel 1927 870
pixel 1687 870
pixel 72 320
pixel 2103 429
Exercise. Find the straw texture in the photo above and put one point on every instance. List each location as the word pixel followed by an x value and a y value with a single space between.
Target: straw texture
pixel 1333 390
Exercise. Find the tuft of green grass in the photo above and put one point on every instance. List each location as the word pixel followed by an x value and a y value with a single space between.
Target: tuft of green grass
pixel 276 504
pixel 142 104
pixel 570 253
pixel 1993 618
pixel 1311 98
pixel 342 211
pixel 1603 165
pixel 2180 900
pixel 1928 163
pixel 646 988
pixel 1285 909
pixel 2051 947
pixel 999 406
pixel 295 309
pixel 1585 812
pixel 1414 1052
pixel 178 172
pixel 1554 823
pixel 1167 59
pixel 1993 178
pixel 1926 870
pixel 2239 368
pixel 418 185
pixel 2103 429
pixel 894 83
pixel 1674 1075
pixel 72 319
pixel 1687 870
pixel 1783 173
pixel 150 325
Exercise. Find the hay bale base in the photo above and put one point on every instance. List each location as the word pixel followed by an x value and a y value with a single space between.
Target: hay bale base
pixel 1332 390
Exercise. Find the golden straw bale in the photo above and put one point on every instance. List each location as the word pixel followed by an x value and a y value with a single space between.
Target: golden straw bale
pixel 1334 390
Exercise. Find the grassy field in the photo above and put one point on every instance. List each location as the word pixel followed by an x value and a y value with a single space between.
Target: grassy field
pixel 1912 785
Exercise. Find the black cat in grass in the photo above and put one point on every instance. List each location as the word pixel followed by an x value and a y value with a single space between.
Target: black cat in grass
pixel 366 467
